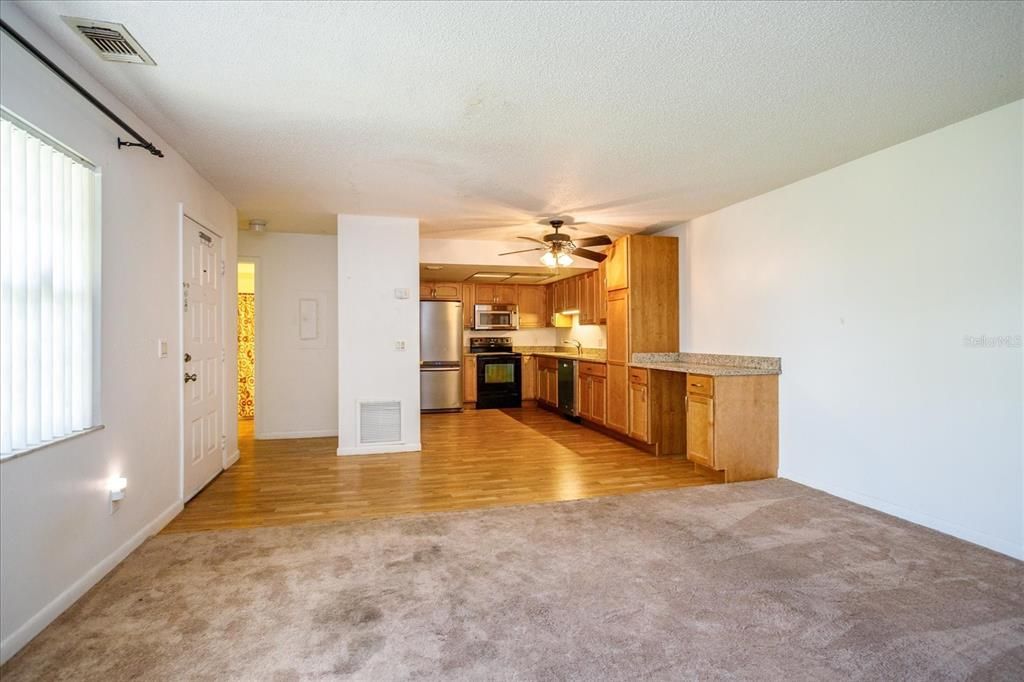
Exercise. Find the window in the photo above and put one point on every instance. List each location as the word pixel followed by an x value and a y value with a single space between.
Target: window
pixel 49 289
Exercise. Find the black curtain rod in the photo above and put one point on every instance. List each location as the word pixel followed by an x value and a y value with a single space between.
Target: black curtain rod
pixel 140 140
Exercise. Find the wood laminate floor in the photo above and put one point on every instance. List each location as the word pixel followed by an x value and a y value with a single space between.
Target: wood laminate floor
pixel 474 459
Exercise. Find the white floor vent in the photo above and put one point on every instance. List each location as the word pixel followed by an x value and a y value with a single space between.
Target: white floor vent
pixel 380 421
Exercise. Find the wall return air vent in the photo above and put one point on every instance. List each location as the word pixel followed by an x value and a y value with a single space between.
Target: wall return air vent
pixel 112 42
pixel 380 421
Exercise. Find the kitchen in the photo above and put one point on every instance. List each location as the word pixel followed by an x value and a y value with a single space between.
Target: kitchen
pixel 598 346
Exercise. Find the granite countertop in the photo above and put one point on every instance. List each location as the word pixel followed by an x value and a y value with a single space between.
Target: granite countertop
pixel 567 356
pixel 711 365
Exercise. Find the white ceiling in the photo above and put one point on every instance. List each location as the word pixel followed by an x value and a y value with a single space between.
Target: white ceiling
pixel 473 116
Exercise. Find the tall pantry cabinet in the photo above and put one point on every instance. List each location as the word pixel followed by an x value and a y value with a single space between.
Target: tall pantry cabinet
pixel 642 278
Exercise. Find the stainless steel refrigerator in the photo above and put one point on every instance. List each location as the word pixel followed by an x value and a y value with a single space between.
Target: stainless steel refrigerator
pixel 440 356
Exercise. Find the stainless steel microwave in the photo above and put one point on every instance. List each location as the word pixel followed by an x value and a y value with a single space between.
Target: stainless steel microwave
pixel 500 317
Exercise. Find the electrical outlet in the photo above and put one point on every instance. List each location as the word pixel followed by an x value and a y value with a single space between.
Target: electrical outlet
pixel 399 345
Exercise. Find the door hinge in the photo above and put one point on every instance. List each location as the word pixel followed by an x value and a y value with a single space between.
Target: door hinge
pixel 223 443
pixel 223 267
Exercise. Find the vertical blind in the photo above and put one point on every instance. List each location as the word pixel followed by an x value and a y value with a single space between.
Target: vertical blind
pixel 49 267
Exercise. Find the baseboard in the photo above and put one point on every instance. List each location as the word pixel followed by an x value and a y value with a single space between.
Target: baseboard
pixel 921 519
pixel 37 623
pixel 234 458
pixel 380 449
pixel 284 435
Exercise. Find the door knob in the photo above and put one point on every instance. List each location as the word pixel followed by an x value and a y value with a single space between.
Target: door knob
pixel 189 377
pixel 188 357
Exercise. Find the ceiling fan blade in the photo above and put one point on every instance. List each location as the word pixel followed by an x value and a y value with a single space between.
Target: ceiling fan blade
pixel 509 253
pixel 589 255
pixel 603 240
pixel 533 240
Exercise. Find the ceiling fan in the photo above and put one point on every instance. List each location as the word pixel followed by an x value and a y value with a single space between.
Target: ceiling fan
pixel 559 248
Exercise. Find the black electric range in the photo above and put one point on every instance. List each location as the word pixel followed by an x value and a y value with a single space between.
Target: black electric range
pixel 499 372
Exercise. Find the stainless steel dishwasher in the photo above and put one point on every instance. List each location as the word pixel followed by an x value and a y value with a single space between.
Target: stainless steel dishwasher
pixel 567 388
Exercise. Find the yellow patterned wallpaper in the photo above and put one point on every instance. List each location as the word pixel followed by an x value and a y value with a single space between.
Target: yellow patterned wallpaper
pixel 246 355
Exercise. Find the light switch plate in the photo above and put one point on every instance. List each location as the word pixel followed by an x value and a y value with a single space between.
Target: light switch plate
pixel 161 348
pixel 401 293
pixel 399 345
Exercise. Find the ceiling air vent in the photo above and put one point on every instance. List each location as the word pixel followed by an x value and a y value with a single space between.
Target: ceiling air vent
pixel 112 42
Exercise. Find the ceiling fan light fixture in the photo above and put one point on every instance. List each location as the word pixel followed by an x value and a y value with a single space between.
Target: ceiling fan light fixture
pixel 564 259
pixel 549 259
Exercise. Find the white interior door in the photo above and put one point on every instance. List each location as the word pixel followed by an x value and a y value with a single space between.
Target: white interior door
pixel 203 347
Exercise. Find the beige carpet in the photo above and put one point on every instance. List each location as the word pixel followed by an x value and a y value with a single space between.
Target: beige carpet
pixel 760 581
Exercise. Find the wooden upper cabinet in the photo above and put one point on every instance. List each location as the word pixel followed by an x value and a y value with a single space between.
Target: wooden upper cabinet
pixel 572 293
pixel 441 291
pixel 617 264
pixel 601 292
pixel 485 293
pixel 532 300
pixel 586 298
pixel 504 294
pixel 557 296
pixel 448 291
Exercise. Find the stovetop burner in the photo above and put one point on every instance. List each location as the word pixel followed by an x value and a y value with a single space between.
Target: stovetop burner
pixel 491 345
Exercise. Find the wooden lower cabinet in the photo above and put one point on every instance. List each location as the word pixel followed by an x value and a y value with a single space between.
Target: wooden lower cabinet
pixel 700 430
pixel 600 393
pixel 732 425
pixel 617 409
pixel 591 391
pixel 547 380
pixel 639 406
pixel 468 379
pixel 529 379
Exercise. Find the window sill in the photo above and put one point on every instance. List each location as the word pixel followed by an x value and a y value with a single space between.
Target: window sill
pixel 50 443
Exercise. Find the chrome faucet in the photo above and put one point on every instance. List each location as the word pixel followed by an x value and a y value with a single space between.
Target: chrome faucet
pixel 574 342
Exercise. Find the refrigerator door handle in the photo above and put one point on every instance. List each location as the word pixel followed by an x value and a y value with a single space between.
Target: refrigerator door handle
pixel 455 368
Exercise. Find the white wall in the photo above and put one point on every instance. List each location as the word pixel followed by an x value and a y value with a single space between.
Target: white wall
pixel 296 379
pixel 57 536
pixel 376 256
pixel 868 280
pixel 590 335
